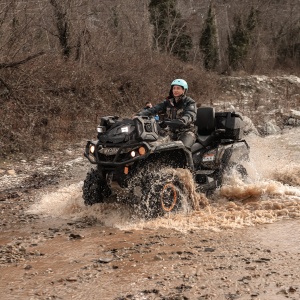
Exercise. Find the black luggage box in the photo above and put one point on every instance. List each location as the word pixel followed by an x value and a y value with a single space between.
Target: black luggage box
pixel 232 123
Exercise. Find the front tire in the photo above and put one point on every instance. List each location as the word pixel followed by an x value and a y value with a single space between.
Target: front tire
pixel 95 188
pixel 161 194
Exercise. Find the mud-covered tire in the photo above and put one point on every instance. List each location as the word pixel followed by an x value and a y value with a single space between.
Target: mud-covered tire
pixel 94 188
pixel 161 194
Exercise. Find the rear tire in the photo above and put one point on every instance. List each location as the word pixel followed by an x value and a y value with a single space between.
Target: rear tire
pixel 94 189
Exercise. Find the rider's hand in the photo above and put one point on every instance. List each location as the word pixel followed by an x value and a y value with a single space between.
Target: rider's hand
pixel 176 123
pixel 163 125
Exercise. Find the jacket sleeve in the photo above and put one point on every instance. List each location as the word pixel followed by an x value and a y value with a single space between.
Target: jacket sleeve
pixel 161 107
pixel 190 112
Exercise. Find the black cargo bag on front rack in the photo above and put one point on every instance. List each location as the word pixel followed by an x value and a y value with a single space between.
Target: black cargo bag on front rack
pixel 232 123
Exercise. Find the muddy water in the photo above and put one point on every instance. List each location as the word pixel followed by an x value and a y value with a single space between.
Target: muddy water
pixel 271 193
pixel 241 244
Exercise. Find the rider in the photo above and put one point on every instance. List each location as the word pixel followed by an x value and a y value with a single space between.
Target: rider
pixel 179 108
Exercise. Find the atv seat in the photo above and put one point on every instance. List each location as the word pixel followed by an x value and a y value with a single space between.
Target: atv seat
pixel 206 124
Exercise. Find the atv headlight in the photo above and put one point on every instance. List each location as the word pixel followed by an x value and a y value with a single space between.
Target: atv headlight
pixel 92 148
pixel 132 154
pixel 101 129
pixel 125 129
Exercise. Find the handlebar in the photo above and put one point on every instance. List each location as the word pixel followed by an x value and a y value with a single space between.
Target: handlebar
pixel 173 124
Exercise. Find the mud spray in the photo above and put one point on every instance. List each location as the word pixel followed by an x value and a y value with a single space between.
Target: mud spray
pixel 271 193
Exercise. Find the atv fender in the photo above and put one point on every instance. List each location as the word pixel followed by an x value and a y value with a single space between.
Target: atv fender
pixel 177 146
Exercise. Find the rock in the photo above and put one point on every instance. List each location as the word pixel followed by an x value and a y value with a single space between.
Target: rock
pixel 74 236
pixel 293 289
pixel 3 196
pixel 293 122
pixel 249 126
pixel 158 257
pixel 27 267
pixel 68 152
pixel 11 172
pixel 209 249
pixel 295 114
pixel 104 260
pixel 271 128
pixel 71 279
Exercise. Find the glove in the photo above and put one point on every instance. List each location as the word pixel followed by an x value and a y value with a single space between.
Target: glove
pixel 163 125
pixel 176 123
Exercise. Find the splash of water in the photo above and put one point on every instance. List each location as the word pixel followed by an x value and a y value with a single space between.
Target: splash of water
pixel 67 203
pixel 64 202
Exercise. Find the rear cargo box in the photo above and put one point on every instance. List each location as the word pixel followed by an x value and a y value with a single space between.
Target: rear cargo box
pixel 232 123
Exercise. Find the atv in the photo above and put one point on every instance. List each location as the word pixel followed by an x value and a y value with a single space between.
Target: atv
pixel 136 160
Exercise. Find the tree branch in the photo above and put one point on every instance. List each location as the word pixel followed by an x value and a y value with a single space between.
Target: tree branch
pixel 17 63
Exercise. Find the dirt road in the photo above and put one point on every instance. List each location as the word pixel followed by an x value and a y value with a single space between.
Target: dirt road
pixel 52 247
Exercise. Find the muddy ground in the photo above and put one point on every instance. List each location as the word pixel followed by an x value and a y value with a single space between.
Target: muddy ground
pixel 52 247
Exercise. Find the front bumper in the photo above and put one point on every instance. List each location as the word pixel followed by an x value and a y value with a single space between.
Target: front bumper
pixel 116 156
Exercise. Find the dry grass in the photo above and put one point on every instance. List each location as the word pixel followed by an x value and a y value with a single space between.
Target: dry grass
pixel 52 101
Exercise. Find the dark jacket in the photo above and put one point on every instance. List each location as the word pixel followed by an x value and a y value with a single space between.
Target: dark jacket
pixel 185 110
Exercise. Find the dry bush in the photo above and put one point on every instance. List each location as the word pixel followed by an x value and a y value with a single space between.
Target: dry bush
pixel 56 102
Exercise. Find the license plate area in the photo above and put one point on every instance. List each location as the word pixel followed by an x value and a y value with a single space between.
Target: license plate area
pixel 208 157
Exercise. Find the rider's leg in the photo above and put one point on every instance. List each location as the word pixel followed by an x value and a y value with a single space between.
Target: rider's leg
pixel 188 138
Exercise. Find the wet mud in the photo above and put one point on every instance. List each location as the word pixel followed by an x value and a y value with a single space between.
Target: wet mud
pixel 242 244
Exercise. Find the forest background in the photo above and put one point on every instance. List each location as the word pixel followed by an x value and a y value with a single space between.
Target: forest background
pixel 66 63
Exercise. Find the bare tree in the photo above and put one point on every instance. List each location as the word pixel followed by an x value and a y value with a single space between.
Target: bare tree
pixel 63 25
